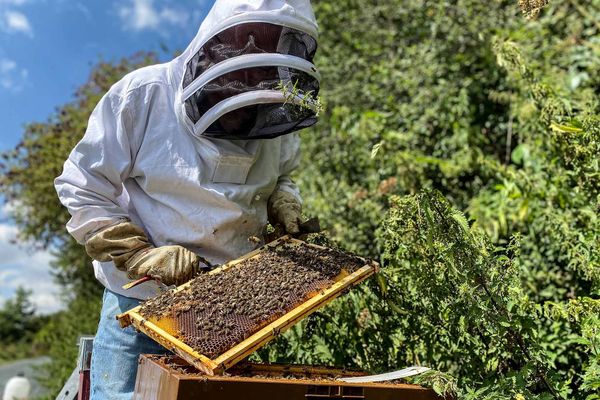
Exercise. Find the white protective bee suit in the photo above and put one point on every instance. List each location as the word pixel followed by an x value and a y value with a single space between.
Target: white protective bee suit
pixel 153 155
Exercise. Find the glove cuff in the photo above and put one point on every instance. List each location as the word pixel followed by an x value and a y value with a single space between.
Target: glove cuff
pixel 117 243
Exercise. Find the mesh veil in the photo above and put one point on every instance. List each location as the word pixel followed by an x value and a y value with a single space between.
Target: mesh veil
pixel 256 120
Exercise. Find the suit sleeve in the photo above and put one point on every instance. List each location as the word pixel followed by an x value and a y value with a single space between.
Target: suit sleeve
pixel 290 160
pixel 91 185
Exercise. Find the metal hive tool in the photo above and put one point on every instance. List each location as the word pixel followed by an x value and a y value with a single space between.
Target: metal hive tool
pixel 234 336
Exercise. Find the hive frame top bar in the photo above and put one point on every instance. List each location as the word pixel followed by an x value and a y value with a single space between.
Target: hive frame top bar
pixel 258 339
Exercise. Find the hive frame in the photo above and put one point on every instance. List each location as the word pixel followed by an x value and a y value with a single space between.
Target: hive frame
pixel 243 349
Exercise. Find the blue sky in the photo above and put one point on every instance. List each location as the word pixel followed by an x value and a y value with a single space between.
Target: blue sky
pixel 46 50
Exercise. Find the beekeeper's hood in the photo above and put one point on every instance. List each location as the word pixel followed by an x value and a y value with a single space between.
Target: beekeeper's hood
pixel 249 71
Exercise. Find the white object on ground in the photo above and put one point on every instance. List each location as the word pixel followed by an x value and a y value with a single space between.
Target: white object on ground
pixel 17 388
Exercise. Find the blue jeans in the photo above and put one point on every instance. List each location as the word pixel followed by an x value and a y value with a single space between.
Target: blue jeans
pixel 116 351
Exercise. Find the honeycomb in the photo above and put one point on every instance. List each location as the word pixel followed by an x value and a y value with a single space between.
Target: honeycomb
pixel 236 327
pixel 215 312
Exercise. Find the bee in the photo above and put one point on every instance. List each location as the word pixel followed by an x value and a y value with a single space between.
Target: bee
pixel 254 239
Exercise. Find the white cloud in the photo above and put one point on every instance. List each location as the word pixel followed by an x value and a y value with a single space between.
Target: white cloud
pixel 20 267
pixel 5 276
pixel 13 2
pixel 7 233
pixel 12 77
pixel 139 15
pixel 12 20
pixel 174 16
pixel 7 65
pixel 45 295
pixel 17 22
pixel 9 207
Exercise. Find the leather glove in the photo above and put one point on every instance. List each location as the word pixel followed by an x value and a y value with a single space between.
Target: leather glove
pixel 285 209
pixel 128 247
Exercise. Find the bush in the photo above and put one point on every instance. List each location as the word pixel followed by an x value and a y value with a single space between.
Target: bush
pixel 500 115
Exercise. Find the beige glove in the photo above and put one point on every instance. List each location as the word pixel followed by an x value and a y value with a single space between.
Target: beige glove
pixel 285 209
pixel 128 247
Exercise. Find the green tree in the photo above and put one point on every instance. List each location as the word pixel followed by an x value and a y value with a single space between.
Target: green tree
pixel 17 317
pixel 19 325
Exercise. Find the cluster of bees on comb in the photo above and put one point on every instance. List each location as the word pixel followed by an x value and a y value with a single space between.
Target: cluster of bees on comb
pixel 216 311
pixel 531 8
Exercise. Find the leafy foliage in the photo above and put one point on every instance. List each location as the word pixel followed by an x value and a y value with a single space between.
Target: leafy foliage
pixel 17 317
pixel 468 293
pixel 500 115
pixel 61 335
pixel 18 326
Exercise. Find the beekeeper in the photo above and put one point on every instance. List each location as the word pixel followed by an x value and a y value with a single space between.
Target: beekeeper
pixel 185 161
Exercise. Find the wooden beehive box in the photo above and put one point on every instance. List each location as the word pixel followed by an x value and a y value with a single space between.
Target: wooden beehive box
pixel 164 378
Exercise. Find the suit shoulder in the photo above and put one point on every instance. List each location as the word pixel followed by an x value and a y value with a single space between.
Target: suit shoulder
pixel 141 79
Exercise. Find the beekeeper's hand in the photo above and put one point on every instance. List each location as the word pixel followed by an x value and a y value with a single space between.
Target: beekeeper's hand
pixel 128 247
pixel 285 209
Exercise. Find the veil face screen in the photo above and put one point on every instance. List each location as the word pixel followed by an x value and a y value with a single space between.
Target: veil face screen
pixel 256 120
pixel 251 38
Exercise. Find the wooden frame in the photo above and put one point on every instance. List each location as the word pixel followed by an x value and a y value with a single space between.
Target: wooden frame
pixel 259 338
